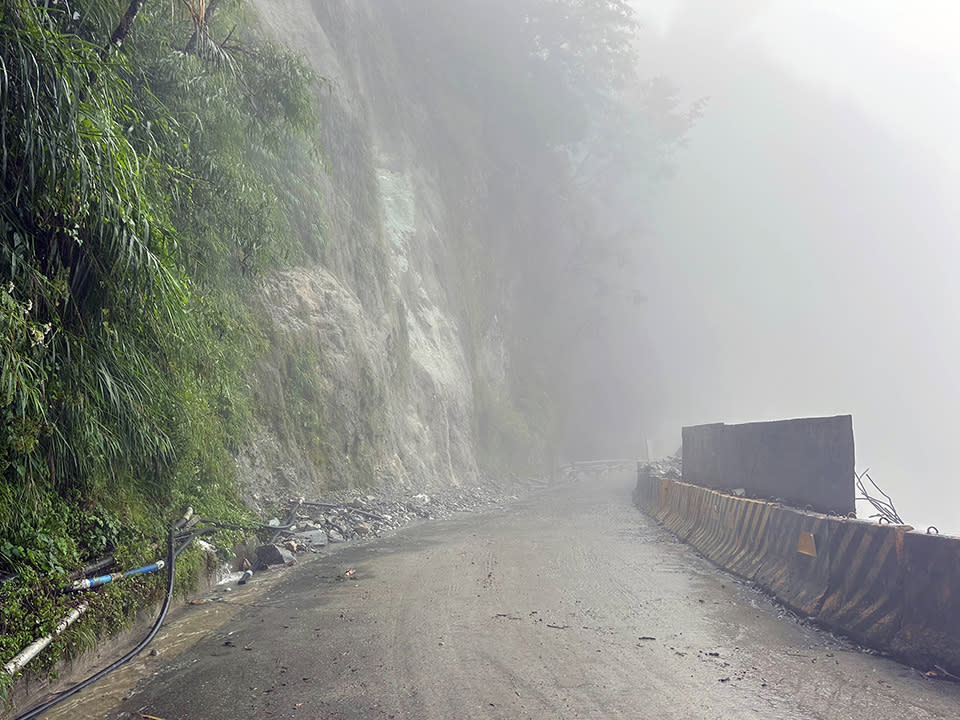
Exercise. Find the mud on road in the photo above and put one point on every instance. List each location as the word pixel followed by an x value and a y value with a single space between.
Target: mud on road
pixel 568 604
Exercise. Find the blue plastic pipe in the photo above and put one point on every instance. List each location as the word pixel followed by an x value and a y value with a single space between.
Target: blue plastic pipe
pixel 87 583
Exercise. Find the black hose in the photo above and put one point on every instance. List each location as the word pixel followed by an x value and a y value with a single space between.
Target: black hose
pixel 92 568
pixel 250 528
pixel 288 520
pixel 185 540
pixel 172 553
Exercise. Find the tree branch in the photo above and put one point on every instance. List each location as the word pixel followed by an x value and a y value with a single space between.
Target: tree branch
pixel 126 23
pixel 207 17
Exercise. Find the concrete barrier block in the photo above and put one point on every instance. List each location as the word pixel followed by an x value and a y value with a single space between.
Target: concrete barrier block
pixel 865 597
pixel 929 630
pixel 646 492
pixel 691 509
pixel 652 485
pixel 734 511
pixel 703 535
pixel 684 508
pixel 667 514
pixel 675 518
pixel 882 585
pixel 797 576
pixel 806 461
pixel 666 510
pixel 705 507
pixel 749 557
pixel 723 528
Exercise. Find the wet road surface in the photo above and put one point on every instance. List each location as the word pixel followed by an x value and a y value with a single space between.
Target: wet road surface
pixel 568 604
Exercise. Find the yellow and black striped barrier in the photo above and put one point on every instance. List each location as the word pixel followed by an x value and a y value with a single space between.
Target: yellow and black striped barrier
pixel 930 627
pixel 885 586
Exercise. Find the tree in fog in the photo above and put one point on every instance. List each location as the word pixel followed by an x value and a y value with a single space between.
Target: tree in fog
pixel 575 137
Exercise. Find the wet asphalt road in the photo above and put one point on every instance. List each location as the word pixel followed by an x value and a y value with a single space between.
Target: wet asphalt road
pixel 568 604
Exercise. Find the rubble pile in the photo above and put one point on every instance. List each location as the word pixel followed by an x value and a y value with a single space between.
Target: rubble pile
pixel 309 526
pixel 361 516
pixel 668 467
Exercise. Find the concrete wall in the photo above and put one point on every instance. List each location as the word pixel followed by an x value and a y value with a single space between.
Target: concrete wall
pixel 803 462
pixel 885 586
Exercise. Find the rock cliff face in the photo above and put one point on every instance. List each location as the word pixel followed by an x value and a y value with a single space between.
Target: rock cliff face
pixel 375 351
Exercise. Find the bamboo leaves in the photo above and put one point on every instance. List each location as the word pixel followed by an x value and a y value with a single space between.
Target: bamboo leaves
pixel 139 191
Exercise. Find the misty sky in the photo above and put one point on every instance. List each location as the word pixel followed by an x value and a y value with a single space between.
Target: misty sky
pixel 802 262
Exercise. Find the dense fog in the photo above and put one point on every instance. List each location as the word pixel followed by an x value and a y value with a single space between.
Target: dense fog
pixel 801 260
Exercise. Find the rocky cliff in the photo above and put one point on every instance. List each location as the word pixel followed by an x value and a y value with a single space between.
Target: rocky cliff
pixel 374 351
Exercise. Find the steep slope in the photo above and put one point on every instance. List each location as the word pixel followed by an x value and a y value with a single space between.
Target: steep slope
pixel 368 379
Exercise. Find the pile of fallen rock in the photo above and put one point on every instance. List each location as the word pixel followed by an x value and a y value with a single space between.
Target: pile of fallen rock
pixel 310 526
pixel 669 467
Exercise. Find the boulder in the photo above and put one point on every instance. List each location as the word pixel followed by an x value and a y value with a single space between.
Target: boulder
pixel 274 555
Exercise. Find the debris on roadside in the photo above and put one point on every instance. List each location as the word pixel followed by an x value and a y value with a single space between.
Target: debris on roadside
pixel 204 601
pixel 309 526
pixel 314 537
pixel 941 673
pixel 670 467
pixel 268 555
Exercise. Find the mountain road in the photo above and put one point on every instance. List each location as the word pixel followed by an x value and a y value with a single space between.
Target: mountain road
pixel 568 603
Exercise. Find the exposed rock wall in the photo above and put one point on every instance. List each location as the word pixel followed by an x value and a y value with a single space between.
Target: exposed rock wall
pixel 369 379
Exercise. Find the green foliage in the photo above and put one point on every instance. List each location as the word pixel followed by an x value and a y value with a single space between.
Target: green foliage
pixel 143 190
pixel 29 609
pixel 96 531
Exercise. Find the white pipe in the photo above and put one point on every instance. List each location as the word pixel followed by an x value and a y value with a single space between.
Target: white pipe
pixel 34 648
